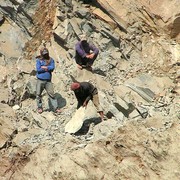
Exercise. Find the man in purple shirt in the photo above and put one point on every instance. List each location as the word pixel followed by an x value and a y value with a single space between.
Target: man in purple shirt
pixel 86 53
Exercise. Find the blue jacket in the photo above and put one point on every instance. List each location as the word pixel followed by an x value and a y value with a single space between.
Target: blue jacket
pixel 41 73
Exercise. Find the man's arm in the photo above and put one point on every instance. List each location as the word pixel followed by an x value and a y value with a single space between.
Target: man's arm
pixel 85 103
pixel 94 49
pixel 95 52
pixel 39 67
pixel 51 65
pixel 79 50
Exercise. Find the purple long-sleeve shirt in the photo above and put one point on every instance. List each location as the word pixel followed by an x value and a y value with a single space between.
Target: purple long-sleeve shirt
pixel 84 50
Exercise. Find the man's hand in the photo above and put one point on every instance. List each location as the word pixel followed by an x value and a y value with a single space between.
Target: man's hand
pixel 90 56
pixel 85 104
pixel 45 68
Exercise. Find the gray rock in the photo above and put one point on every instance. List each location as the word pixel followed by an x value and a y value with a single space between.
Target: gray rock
pixel 31 87
pixel 83 13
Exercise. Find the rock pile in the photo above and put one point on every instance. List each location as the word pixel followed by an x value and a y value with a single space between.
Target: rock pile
pixel 137 76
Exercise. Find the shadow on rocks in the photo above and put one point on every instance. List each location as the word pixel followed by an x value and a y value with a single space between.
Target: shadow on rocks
pixel 61 102
pixel 99 71
pixel 86 126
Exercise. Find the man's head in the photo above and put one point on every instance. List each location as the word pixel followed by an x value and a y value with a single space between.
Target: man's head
pixel 75 86
pixel 44 53
pixel 84 40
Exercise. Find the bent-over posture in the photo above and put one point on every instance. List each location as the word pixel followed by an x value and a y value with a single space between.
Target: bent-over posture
pixel 85 91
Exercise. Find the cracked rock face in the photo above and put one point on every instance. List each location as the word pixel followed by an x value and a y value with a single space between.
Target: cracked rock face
pixel 136 74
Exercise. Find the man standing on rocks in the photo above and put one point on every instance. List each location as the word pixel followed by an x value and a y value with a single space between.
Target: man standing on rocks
pixel 44 67
pixel 86 53
pixel 85 91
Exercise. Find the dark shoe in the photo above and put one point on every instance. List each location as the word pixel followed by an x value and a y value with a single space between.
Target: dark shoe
pixel 88 67
pixel 39 110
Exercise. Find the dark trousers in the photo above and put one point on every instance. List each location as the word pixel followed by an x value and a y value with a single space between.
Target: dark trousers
pixel 48 86
pixel 85 61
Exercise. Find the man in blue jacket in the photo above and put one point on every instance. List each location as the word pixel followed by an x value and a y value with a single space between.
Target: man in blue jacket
pixel 44 67
pixel 86 53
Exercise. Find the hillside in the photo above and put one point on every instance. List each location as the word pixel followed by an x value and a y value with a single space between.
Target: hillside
pixel 136 74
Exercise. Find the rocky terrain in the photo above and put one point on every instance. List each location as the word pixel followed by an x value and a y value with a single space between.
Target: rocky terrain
pixel 137 74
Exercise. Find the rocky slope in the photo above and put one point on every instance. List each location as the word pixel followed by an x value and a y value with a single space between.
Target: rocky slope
pixel 137 75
